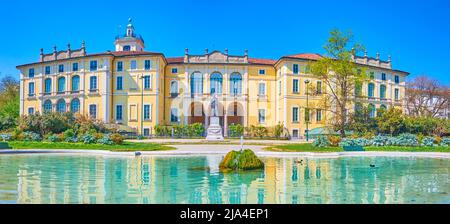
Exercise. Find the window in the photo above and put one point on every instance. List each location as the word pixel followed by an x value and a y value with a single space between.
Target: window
pixel 174 115
pixel 75 83
pixel 31 73
pixel 133 65
pixel 93 66
pixel 119 112
pixel 93 83
pixel 216 83
pixel 262 71
pixel 371 89
pixel 147 112
pixel 372 75
pixel 397 79
pixel 196 83
pixel 319 87
pixel 119 83
pixel 174 87
pixel 146 132
pixel 31 89
pixel 75 67
pixel 295 68
pixel 61 68
pixel 262 116
pixel 61 106
pixel 48 86
pixel 127 48
pixel 75 105
pixel 30 110
pixel 383 76
pixel 61 85
pixel 262 89
pixel 295 86
pixel 47 106
pixel 147 83
pixel 235 84
pixel 295 133
pixel 147 64
pixel 174 70
pixel 382 92
pixel 318 115
pixel 119 66
pixel 307 115
pixel 93 111
pixel 47 70
pixel 295 115
pixel 371 110
pixel 397 94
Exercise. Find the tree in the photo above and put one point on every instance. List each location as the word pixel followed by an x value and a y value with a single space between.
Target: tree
pixel 361 122
pixel 340 75
pixel 426 97
pixel 9 102
pixel 391 121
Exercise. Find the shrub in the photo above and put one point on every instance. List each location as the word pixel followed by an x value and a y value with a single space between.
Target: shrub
pixel 428 141
pixel 321 142
pixel 258 131
pixel 88 139
pixel 69 136
pixel 381 140
pixel 117 139
pixel 406 140
pixel 106 140
pixel 196 130
pixel 334 140
pixel 355 142
pixel 140 137
pixel 236 130
pixel 278 130
pixel 445 141
pixel 31 136
pixel 241 160
pixel 6 137
pixel 162 130
pixel 53 138
pixel 438 140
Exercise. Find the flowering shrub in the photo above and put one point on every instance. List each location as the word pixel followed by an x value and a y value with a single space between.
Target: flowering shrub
pixel 31 136
pixel 88 139
pixel 428 141
pixel 445 141
pixel 116 139
pixel 106 140
pixel 334 140
pixel 321 141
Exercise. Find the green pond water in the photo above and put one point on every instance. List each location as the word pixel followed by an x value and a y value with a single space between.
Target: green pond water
pixel 97 179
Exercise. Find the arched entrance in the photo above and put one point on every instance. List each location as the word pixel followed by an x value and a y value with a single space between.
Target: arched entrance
pixel 196 113
pixel 235 113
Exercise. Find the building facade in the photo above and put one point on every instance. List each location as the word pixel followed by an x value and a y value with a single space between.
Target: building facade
pixel 141 89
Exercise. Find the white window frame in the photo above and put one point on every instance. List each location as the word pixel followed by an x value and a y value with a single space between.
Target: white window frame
pixel 298 86
pixel 115 112
pixel 259 89
pixel 298 115
pixel 259 116
pixel 262 72
pixel 149 112
pixel 149 82
pixel 176 70
pixel 135 65
pixel 96 110
pixel 117 83
pixel 31 108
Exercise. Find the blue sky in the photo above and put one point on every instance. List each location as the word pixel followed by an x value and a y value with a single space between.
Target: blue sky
pixel 415 33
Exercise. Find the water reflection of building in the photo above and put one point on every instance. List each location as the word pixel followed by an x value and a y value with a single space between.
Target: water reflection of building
pixel 60 179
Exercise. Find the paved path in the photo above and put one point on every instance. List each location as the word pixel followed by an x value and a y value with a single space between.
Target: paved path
pixel 226 142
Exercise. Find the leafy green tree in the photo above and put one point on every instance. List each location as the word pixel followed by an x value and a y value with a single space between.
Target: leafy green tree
pixel 391 121
pixel 340 75
pixel 361 122
pixel 9 103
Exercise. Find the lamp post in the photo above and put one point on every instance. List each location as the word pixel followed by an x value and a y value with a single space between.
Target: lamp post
pixel 307 109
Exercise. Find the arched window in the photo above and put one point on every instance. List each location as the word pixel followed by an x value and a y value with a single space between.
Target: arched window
pixel 76 83
pixel 382 92
pixel 75 105
pixel 371 110
pixel 196 83
pixel 61 106
pixel 48 86
pixel 61 85
pixel 47 106
pixel 216 83
pixel 174 87
pixel 235 84
pixel 371 89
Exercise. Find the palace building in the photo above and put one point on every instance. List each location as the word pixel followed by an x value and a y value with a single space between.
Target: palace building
pixel 139 89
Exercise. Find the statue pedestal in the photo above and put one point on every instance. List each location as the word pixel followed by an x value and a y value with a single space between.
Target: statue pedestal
pixel 214 132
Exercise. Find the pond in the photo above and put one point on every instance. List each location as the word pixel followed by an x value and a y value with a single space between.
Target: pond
pixel 51 179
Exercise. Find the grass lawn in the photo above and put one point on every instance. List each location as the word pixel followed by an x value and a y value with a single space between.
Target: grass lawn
pixel 126 147
pixel 310 148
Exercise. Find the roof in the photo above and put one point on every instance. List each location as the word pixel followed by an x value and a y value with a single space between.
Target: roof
pixel 261 61
pixel 306 56
pixel 175 60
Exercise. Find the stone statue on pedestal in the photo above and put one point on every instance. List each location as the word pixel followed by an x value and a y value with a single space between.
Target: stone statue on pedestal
pixel 214 132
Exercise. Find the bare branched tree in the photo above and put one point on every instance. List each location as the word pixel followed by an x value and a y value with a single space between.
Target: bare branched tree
pixel 426 97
